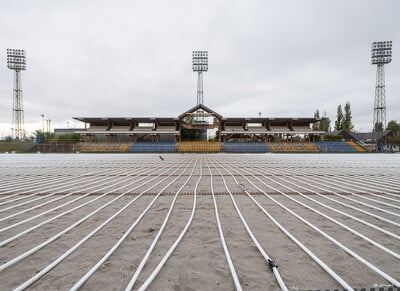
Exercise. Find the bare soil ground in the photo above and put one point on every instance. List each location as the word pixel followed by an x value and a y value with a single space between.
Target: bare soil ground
pixel 49 203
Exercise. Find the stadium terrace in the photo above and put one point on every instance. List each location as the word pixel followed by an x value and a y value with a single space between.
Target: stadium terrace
pixel 195 123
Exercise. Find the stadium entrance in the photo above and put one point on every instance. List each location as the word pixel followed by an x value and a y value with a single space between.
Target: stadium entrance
pixel 199 123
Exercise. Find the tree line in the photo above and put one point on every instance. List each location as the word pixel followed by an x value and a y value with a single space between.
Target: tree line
pixel 394 127
pixel 343 120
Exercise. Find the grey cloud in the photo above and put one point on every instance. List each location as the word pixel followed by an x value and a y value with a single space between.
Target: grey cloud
pixel 286 58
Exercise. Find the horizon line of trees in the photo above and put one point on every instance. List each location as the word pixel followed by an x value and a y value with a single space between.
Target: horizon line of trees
pixel 324 124
pixel 39 136
pixel 394 127
pixel 343 120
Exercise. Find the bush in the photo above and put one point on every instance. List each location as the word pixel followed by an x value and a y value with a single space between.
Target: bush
pixel 332 137
pixel 393 140
pixel 69 136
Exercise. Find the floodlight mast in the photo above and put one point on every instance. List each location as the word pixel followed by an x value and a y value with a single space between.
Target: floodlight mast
pixel 16 62
pixel 200 65
pixel 381 54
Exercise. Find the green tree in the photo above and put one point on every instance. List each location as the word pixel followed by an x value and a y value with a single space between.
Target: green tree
pixel 331 137
pixel 347 124
pixel 69 136
pixel 339 118
pixel 378 126
pixel 394 127
pixel 325 123
pixel 316 125
pixel 38 135
pixel 394 136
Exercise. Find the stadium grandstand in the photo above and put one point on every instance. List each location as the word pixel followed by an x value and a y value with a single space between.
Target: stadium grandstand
pixel 195 122
pixel 188 132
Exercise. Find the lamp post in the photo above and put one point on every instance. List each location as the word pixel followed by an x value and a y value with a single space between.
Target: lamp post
pixel 47 125
pixel 42 115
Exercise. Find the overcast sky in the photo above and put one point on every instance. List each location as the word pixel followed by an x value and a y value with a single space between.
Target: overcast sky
pixel 133 58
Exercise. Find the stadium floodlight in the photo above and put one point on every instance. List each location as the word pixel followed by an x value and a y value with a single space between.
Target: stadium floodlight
pixel 16 61
pixel 200 65
pixel 381 54
pixel 200 61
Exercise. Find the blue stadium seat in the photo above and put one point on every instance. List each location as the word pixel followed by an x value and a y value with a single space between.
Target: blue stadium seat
pixel 335 147
pixel 152 147
pixel 246 147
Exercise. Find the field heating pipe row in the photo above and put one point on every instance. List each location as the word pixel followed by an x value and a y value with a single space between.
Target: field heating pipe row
pixel 96 181
pixel 346 249
pixel 268 259
pixel 383 183
pixel 369 185
pixel 153 275
pixel 41 189
pixel 38 247
pixel 33 190
pixel 36 177
pixel 120 180
pixel 330 181
pixel 315 183
pixel 87 237
pixel 369 190
pixel 62 205
pixel 130 229
pixel 81 183
pixel 16 183
pixel 38 180
pixel 324 266
pixel 327 206
pixel 160 231
pixel 376 244
pixel 222 238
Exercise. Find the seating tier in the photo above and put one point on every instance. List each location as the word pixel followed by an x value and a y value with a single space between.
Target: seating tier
pixel 304 147
pixel 246 147
pixel 199 146
pixel 335 147
pixel 359 148
pixel 104 147
pixel 152 147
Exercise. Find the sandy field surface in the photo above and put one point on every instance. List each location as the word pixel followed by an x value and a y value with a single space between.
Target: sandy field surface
pixel 199 221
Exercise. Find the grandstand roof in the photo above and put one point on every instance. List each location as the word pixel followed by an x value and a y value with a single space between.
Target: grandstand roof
pixel 366 137
pixel 207 110
pixel 200 106
pixel 125 119
pixel 275 119
pixel 370 136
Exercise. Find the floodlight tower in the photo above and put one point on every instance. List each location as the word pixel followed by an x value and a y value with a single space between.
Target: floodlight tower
pixel 200 65
pixel 16 62
pixel 381 54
